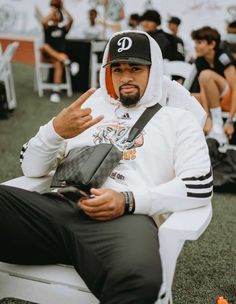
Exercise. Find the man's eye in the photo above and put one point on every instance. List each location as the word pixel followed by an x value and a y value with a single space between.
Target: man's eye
pixel 136 69
pixel 116 70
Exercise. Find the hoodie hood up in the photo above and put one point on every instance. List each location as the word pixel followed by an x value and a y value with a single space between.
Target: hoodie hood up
pixel 153 92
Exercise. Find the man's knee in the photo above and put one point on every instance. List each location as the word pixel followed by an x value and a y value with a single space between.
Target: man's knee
pixel 138 282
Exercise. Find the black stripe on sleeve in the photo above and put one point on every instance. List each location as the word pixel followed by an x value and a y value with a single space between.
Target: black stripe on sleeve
pixel 199 186
pixel 22 152
pixel 203 177
pixel 207 194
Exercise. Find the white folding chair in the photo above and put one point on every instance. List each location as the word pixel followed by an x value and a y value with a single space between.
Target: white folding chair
pixel 42 70
pixel 6 74
pixel 95 66
pixel 181 68
pixel 60 284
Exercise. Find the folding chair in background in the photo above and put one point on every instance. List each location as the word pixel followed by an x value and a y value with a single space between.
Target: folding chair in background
pixel 97 47
pixel 6 74
pixel 181 68
pixel 42 79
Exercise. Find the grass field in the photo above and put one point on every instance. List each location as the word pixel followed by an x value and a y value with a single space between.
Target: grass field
pixel 206 268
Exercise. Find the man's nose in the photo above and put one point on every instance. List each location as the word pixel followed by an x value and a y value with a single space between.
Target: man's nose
pixel 126 77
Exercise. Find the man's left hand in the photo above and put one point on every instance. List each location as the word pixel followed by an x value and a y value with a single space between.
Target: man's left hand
pixel 104 204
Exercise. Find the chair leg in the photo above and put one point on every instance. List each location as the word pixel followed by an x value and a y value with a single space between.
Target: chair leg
pixel 40 90
pixel 38 80
pixel 12 90
pixel 68 81
pixel 35 82
pixel 94 71
pixel 8 90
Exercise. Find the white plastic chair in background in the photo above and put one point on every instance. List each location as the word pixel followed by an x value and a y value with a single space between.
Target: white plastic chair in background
pixel 181 68
pixel 96 48
pixel 42 70
pixel 6 74
pixel 60 284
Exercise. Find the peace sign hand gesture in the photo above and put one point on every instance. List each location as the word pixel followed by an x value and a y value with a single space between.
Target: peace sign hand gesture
pixel 74 119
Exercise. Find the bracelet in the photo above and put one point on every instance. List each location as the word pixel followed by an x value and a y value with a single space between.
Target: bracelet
pixel 229 121
pixel 129 202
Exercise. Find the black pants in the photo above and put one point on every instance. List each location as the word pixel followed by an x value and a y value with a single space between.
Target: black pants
pixel 118 259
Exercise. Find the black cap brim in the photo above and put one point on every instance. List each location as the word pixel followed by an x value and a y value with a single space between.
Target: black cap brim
pixel 133 60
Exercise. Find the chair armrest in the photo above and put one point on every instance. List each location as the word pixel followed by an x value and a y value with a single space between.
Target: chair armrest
pixel 188 224
pixel 39 184
pixel 177 228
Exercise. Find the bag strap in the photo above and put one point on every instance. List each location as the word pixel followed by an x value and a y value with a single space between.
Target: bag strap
pixel 143 120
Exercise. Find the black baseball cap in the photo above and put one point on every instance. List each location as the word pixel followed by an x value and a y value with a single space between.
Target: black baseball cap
pixel 129 47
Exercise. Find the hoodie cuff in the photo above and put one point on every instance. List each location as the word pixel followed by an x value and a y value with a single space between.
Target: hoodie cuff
pixel 142 201
pixel 49 135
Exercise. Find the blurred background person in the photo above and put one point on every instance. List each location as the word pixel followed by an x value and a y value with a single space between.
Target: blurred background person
pixel 173 26
pixel 231 27
pixel 151 23
pixel 93 30
pixel 229 39
pixel 217 83
pixel 56 25
pixel 113 17
pixel 133 22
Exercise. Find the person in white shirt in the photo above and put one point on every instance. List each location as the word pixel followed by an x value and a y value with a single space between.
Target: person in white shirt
pixel 113 247
pixel 93 31
pixel 112 19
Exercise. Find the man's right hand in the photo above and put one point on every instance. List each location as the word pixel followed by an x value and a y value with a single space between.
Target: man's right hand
pixel 74 119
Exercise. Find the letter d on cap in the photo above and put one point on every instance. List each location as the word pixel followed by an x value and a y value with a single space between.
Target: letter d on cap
pixel 125 43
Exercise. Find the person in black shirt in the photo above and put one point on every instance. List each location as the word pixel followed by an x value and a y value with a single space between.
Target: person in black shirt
pixel 151 23
pixel 217 81
pixel 173 25
pixel 56 25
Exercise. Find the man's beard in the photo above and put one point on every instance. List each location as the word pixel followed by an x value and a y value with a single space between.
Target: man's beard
pixel 130 100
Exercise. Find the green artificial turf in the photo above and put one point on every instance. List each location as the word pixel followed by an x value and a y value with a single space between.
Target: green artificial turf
pixel 206 268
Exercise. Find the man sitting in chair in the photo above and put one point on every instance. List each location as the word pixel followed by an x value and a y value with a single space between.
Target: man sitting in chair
pixel 110 237
pixel 56 25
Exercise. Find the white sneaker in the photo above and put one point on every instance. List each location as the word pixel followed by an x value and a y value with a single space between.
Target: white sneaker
pixel 55 97
pixel 217 132
pixel 74 68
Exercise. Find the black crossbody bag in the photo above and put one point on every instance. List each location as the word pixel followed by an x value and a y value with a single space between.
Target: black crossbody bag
pixel 88 167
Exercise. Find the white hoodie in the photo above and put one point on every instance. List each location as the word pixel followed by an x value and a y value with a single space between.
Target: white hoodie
pixel 167 167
